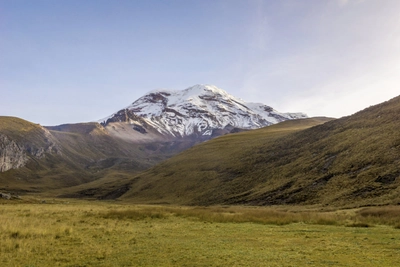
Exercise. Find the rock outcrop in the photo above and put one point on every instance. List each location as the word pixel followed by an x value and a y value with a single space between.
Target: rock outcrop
pixel 12 156
pixel 15 152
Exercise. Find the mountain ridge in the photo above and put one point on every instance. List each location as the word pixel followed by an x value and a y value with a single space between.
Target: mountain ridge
pixel 196 111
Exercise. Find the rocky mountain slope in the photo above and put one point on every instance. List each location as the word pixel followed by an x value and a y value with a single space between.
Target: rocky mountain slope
pixel 35 158
pixel 349 162
pixel 200 112
pixel 12 156
pixel 21 140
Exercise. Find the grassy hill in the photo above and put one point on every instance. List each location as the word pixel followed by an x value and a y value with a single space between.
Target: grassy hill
pixel 74 154
pixel 216 167
pixel 351 161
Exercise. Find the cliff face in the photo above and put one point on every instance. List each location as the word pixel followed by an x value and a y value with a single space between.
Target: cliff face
pixel 12 156
pixel 18 147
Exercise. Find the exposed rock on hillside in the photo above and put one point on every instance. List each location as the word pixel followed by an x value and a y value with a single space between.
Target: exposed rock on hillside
pixel 12 156
pixel 18 145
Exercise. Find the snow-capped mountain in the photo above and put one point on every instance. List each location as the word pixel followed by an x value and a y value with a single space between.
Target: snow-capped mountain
pixel 200 111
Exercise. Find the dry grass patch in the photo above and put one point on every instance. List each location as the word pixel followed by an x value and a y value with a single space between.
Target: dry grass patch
pixel 135 214
pixel 365 217
pixel 109 234
pixel 255 215
pixel 389 215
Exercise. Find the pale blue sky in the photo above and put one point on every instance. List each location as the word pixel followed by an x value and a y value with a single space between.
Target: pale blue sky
pixel 66 61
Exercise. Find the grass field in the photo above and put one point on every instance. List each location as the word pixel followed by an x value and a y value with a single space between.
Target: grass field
pixel 58 233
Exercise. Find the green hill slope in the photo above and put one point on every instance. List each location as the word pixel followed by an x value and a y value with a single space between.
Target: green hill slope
pixel 36 159
pixel 351 161
pixel 210 172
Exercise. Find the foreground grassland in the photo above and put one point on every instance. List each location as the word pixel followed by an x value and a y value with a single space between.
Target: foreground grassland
pixel 108 234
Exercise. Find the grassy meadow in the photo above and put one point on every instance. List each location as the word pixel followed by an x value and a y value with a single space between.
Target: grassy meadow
pixel 79 233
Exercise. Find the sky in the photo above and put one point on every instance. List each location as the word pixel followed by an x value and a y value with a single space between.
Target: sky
pixel 69 61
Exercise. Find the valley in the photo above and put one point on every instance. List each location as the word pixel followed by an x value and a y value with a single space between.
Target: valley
pixel 99 159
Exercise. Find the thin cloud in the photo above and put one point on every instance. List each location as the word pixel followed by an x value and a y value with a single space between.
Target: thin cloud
pixel 337 63
pixel 343 3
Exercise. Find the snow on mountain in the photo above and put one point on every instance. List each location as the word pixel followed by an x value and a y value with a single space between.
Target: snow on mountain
pixel 198 110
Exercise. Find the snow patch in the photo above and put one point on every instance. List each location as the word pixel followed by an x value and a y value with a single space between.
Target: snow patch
pixel 201 109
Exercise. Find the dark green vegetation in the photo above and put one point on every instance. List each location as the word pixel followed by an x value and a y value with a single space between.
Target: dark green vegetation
pixel 352 161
